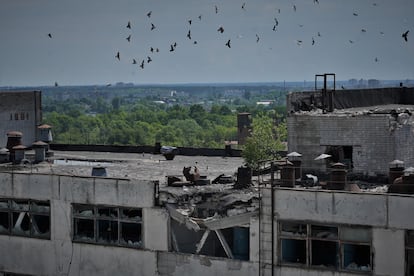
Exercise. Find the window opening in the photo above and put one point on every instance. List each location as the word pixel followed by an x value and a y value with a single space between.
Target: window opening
pixel 28 218
pixel 107 225
pixel 325 246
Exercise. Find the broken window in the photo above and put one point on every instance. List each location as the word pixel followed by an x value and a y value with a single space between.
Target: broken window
pixel 325 246
pixel 409 252
pixel 356 248
pixel 293 242
pixel 342 154
pixel 107 225
pixel 25 218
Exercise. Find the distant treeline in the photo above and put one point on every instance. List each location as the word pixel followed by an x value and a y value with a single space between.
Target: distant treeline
pixel 171 119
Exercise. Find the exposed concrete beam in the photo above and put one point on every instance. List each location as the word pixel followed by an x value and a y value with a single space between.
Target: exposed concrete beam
pixel 228 222
pixel 202 241
pixel 174 241
pixel 223 242
pixel 189 223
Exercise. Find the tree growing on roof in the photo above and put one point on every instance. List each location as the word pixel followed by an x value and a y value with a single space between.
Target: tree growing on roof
pixel 263 143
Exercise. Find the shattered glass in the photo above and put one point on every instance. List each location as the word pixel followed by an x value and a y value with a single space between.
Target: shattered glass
pixel 131 234
pixel 41 226
pixel 84 210
pixel 21 223
pixel 40 207
pixel 324 232
pixel 293 229
pixel 357 257
pixel 4 222
pixel 21 205
pixel 132 214
pixel 108 231
pixel 84 229
pixel 108 212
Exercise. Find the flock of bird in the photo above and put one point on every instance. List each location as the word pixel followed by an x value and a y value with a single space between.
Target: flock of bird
pixel 142 62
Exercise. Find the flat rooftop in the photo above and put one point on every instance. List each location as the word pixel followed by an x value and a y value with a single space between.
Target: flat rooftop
pixel 130 165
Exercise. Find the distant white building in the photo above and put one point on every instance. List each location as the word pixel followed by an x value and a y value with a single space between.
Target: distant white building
pixel 20 111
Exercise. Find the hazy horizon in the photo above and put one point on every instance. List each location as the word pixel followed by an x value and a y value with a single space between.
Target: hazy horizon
pixel 270 41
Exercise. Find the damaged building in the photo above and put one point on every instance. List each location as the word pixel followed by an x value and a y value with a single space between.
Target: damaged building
pixel 60 218
pixel 364 129
pixel 100 213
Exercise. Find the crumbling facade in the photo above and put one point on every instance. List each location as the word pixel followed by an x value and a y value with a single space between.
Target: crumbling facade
pixel 66 224
pixel 20 111
pixel 364 129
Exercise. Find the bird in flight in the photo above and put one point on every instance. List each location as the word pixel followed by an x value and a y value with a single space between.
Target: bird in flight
pixel 216 8
pixel 276 21
pixel 142 64
pixel 228 43
pixel 49 35
pixel 149 59
pixel 363 30
pixel 152 26
pixel 199 17
pixel 313 41
pixel 129 25
pixel 376 59
pixel 56 84
pixel 149 14
pixel 243 6
pixel 257 38
pixel 190 21
pixel 189 34
pixel 129 38
pixel 405 35
pixel 294 7
pixel 152 50
pixel 221 29
pixel 118 56
pixel 134 61
pixel 355 14
pixel 274 28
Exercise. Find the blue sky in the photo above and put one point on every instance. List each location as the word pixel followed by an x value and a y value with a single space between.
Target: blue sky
pixel 86 35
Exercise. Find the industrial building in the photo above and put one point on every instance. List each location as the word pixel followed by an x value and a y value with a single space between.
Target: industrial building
pixel 364 129
pixel 89 213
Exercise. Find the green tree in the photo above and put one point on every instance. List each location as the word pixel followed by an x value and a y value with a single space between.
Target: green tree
pixel 262 144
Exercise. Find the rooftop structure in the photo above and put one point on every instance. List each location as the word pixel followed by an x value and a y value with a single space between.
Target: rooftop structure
pixel 20 111
pixel 365 129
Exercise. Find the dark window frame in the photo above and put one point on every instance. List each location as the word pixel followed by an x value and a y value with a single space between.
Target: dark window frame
pixel 108 225
pixel 304 259
pixel 32 216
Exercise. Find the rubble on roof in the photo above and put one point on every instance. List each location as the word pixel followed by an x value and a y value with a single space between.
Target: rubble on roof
pixel 189 204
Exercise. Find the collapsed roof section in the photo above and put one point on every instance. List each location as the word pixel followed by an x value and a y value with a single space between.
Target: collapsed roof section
pixel 211 219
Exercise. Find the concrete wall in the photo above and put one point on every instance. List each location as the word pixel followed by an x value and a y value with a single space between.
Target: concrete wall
pixel 374 144
pixel 59 255
pixel 170 264
pixel 27 106
pixel 388 214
